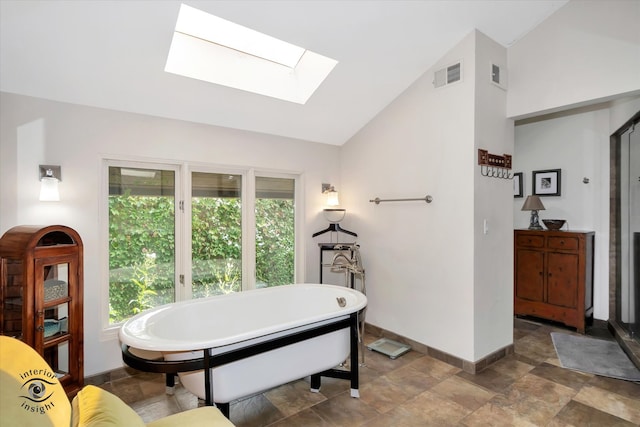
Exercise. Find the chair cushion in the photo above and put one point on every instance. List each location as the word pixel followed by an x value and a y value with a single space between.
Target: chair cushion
pixel 204 416
pixel 30 393
pixel 95 407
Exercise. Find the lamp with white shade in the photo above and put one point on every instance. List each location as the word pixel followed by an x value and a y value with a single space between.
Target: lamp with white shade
pixel 49 179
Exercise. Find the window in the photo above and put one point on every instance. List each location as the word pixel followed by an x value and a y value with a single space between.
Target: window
pixel 141 239
pixel 275 231
pixel 216 233
pixel 212 49
pixel 231 235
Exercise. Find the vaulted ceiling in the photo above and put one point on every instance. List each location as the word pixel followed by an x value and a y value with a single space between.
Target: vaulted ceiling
pixel 112 54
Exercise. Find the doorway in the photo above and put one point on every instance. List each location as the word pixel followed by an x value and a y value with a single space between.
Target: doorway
pixel 625 237
pixel 628 298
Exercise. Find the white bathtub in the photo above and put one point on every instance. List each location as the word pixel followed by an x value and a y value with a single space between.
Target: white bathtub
pixel 240 322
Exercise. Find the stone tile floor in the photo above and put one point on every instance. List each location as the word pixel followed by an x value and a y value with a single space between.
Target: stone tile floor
pixel 527 388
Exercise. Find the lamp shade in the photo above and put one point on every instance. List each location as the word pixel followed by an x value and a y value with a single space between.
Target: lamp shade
pixel 49 189
pixel 533 203
pixel 332 197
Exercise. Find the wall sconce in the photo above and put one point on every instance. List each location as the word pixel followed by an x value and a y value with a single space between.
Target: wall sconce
pixel 331 194
pixel 50 176
pixel 334 216
pixel 533 204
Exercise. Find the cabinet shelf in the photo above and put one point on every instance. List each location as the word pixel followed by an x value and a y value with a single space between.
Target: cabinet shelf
pixel 56 339
pixel 56 302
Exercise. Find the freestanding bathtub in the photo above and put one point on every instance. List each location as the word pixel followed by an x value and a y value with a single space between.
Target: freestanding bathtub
pixel 250 341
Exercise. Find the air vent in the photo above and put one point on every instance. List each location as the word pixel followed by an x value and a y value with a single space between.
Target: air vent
pixel 498 76
pixel 448 75
pixel 495 74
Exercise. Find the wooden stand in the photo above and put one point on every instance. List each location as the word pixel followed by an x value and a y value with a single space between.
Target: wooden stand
pixel 554 275
pixel 41 281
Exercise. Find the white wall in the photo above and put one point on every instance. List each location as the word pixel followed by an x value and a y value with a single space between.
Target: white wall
pixel 586 51
pixel 423 279
pixel 621 111
pixel 493 251
pixel 35 131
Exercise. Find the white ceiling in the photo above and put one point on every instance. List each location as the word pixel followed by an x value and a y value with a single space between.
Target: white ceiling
pixel 111 54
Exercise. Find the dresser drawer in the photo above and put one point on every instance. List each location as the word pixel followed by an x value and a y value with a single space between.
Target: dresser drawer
pixel 530 241
pixel 566 243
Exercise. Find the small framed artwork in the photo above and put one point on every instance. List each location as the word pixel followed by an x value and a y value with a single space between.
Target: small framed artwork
pixel 546 183
pixel 518 185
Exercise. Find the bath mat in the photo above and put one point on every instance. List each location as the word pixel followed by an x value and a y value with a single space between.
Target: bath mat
pixel 594 356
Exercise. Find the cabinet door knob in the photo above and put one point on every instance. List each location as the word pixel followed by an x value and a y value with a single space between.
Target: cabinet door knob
pixel 40 328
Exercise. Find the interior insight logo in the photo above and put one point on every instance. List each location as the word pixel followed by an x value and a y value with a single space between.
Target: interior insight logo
pixel 37 390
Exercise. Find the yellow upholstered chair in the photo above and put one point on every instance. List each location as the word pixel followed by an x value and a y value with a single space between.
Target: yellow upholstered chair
pixel 31 395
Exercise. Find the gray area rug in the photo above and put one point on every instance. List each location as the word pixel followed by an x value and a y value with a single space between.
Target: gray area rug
pixel 594 356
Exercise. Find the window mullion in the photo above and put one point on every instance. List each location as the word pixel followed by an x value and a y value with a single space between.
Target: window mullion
pixel 184 290
pixel 299 252
pixel 249 231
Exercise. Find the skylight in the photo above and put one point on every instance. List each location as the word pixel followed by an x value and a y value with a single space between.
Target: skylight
pixel 209 48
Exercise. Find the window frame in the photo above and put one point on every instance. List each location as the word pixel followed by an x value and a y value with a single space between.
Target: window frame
pixel 298 202
pixel 183 228
pixel 186 292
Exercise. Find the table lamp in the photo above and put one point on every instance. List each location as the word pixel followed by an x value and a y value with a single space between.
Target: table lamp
pixel 533 204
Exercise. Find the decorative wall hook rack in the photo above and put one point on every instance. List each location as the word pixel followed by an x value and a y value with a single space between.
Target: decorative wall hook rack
pixel 378 200
pixel 494 165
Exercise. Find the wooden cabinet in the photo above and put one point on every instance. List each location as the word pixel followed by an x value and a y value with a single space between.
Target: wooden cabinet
pixel 554 275
pixel 41 296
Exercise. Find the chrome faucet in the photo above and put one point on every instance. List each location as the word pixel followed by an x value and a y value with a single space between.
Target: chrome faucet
pixel 352 266
pixel 340 261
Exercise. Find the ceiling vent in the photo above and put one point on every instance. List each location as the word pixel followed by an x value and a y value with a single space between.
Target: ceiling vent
pixel 448 75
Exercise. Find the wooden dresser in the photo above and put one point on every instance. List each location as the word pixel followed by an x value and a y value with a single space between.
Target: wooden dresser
pixel 553 275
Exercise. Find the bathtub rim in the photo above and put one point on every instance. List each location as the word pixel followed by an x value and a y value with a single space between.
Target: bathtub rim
pixel 132 332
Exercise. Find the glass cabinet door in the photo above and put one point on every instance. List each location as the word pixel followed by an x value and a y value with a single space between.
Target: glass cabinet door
pixel 53 316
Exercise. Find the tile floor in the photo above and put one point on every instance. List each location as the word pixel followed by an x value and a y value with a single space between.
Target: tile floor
pixel 527 388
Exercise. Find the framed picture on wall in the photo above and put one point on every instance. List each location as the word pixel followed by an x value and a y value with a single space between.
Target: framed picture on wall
pixel 546 183
pixel 518 185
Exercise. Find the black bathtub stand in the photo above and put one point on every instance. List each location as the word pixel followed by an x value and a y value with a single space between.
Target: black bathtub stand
pixel 353 373
pixel 210 361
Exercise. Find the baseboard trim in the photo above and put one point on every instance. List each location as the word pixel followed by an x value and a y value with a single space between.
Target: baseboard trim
pixel 465 365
